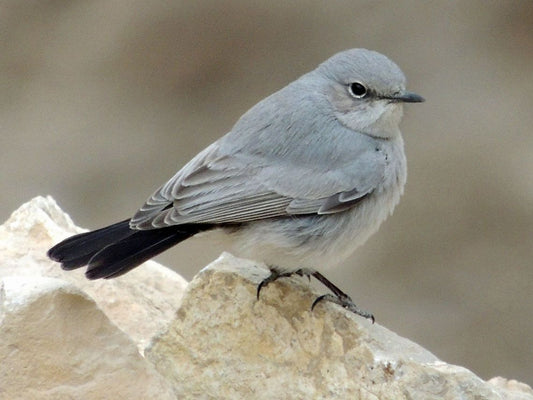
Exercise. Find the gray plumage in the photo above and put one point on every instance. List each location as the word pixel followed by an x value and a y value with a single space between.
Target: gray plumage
pixel 310 150
pixel 302 179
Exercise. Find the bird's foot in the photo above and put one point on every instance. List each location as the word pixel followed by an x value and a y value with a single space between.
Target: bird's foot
pixel 275 274
pixel 345 302
pixel 338 297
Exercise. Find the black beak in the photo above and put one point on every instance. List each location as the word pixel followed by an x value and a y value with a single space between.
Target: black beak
pixel 408 97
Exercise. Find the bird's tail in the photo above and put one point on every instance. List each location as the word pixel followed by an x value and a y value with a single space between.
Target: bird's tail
pixel 116 249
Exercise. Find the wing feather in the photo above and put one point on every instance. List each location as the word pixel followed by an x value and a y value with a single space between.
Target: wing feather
pixel 220 189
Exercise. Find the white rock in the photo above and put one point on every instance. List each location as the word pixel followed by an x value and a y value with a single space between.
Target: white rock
pixel 219 341
pixel 141 302
pixel 225 344
pixel 513 389
pixel 55 343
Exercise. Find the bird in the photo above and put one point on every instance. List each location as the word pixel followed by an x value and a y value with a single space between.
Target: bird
pixel 301 180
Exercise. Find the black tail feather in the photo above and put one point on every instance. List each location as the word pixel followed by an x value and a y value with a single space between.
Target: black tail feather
pixel 124 255
pixel 114 250
pixel 76 251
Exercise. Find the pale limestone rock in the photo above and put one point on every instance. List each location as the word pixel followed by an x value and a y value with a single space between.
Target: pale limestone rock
pixel 516 390
pixel 225 344
pixel 55 343
pixel 141 302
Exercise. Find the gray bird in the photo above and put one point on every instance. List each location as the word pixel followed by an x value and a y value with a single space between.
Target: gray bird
pixel 302 179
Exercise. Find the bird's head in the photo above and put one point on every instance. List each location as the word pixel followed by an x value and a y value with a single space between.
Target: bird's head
pixel 366 91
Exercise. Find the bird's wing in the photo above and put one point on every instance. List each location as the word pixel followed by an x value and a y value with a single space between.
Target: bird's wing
pixel 223 189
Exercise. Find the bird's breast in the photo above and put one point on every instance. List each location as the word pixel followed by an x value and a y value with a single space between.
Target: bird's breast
pixel 321 241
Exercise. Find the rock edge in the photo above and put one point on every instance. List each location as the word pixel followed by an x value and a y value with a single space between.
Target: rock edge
pixel 86 339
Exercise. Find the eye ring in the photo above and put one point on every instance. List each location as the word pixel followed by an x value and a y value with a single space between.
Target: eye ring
pixel 357 90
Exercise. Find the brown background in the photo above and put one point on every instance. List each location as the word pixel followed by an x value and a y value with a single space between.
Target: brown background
pixel 102 101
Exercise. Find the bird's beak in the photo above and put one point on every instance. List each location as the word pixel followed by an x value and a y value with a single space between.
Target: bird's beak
pixel 408 97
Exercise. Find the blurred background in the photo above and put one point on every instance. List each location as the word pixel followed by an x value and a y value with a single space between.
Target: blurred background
pixel 102 101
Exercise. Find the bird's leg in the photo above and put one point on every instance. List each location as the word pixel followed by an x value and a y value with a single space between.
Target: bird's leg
pixel 338 297
pixel 275 274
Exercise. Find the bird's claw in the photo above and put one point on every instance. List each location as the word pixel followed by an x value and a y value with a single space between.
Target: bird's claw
pixel 338 296
pixel 345 302
pixel 274 276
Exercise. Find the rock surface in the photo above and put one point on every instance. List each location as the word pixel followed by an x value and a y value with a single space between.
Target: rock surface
pixel 224 344
pixel 141 303
pixel 217 341
pixel 55 343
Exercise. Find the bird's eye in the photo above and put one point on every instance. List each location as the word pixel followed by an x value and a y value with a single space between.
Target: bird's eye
pixel 357 90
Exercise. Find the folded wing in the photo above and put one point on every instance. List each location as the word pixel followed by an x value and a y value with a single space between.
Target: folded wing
pixel 219 188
